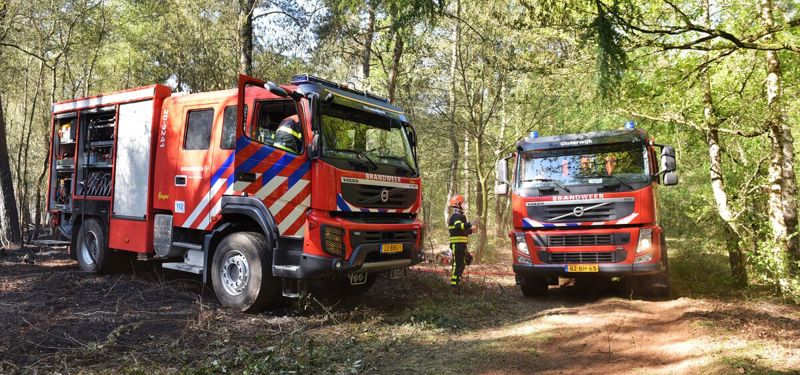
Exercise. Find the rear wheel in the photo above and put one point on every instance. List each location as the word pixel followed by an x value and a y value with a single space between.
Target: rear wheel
pixel 241 273
pixel 92 252
pixel 534 286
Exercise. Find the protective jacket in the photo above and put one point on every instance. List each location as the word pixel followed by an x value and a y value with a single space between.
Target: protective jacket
pixel 289 136
pixel 460 229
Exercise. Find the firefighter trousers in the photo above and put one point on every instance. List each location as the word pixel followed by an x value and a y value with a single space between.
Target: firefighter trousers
pixel 459 262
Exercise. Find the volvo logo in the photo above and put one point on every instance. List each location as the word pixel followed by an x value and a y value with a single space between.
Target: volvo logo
pixel 578 211
pixel 384 195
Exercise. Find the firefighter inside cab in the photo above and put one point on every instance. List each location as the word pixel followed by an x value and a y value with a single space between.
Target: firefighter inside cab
pixel 289 137
pixel 459 229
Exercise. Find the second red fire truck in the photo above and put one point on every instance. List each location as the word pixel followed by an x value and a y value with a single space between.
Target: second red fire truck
pixel 202 182
pixel 585 205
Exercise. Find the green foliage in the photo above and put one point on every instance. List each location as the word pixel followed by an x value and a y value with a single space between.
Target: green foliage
pixel 483 72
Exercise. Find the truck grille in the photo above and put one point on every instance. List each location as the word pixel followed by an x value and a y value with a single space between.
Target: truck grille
pixel 570 212
pixel 370 196
pixel 580 240
pixel 584 257
pixel 603 213
pixel 358 237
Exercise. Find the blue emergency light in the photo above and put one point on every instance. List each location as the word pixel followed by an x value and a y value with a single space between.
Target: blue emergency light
pixel 534 134
pixel 630 124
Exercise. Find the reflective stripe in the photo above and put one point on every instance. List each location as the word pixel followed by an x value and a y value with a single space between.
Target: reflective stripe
pixel 289 130
pixel 458 239
pixel 282 147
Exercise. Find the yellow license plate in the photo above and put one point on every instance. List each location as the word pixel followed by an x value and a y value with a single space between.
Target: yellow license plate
pixel 582 268
pixel 391 248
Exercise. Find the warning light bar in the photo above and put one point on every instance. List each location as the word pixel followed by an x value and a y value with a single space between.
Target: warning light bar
pixel 307 78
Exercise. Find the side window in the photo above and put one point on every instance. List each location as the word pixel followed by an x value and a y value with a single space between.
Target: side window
pixel 198 129
pixel 228 140
pixel 267 127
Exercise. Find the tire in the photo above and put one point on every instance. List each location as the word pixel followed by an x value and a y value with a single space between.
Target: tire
pixel 241 273
pixel 534 287
pixel 92 252
pixel 660 285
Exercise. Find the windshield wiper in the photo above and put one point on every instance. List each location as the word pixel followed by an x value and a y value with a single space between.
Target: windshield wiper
pixel 410 168
pixel 621 181
pixel 359 154
pixel 553 181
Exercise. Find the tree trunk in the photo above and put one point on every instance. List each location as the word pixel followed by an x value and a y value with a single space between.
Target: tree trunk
pixel 732 236
pixel 499 200
pixel 452 178
pixel 783 185
pixel 367 54
pixel 397 54
pixel 481 200
pixel 11 219
pixel 246 9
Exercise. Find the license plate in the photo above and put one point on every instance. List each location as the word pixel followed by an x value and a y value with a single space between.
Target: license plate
pixel 582 268
pixel 391 248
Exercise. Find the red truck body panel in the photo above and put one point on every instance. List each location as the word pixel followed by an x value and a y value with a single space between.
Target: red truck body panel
pixel 190 184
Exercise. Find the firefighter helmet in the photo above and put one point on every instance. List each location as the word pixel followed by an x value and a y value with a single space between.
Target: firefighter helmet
pixel 456 201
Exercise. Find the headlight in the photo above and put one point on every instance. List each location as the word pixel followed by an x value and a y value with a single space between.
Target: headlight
pixel 332 240
pixel 645 239
pixel 522 245
pixel 523 260
pixel 643 259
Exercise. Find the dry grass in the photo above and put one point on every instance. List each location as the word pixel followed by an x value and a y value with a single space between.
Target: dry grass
pixel 150 321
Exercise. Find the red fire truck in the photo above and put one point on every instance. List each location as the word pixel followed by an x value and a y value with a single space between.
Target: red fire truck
pixel 584 205
pixel 203 183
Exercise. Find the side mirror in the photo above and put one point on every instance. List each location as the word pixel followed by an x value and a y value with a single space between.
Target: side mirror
pixel 667 159
pixel 501 177
pixel 670 179
pixel 275 89
pixel 412 136
pixel 501 171
pixel 314 152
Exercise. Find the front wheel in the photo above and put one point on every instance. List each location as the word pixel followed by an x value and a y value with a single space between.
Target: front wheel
pixel 241 273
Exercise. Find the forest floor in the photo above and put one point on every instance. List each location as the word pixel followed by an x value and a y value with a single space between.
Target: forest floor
pixel 56 319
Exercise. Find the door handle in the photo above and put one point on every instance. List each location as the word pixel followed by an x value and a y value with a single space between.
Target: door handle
pixel 180 180
pixel 246 177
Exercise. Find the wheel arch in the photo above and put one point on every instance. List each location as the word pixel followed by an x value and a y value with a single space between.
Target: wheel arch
pixel 240 214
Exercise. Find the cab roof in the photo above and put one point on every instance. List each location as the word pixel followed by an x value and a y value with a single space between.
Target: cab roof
pixel 582 139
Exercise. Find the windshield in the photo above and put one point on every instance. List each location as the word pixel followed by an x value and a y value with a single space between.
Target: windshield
pixel 366 138
pixel 612 163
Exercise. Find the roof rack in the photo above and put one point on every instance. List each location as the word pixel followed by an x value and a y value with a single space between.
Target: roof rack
pixel 307 78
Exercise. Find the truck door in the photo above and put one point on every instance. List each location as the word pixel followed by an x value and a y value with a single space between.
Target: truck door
pixel 192 190
pixel 265 168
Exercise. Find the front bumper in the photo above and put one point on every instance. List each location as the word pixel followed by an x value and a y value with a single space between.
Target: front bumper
pixel 313 266
pixel 560 270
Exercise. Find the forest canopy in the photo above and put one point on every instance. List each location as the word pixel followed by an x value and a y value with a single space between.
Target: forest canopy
pixel 719 80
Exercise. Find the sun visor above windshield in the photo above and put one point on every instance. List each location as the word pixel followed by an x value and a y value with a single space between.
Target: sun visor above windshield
pixel 347 99
pixel 581 140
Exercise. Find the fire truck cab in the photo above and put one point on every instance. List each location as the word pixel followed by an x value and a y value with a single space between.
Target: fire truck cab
pixel 258 189
pixel 585 205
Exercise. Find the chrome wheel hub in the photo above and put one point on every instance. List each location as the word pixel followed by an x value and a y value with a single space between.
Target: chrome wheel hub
pixel 234 273
pixel 89 248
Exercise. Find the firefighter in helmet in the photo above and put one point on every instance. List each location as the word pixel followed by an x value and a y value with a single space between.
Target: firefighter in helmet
pixel 459 228
pixel 289 137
